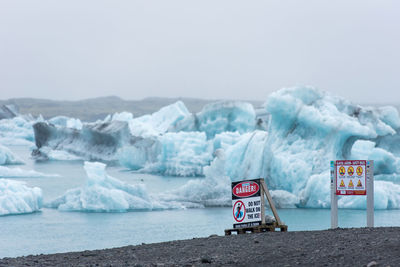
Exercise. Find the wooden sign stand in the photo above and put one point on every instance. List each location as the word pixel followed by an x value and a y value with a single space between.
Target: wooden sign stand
pixel 263 227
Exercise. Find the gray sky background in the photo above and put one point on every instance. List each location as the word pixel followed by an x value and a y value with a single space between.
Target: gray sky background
pixel 207 49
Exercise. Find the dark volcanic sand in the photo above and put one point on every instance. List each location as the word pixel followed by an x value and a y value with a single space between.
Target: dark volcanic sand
pixel 340 247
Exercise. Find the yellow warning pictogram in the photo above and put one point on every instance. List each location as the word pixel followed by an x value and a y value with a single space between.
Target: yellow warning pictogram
pixel 342 171
pixel 359 184
pixel 342 184
pixel 359 170
pixel 351 183
pixel 350 170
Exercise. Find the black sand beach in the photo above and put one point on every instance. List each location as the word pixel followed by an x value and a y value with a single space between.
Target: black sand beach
pixel 339 247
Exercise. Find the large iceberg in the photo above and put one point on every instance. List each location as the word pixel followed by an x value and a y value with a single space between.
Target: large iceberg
pixel 95 141
pixel 17 198
pixel 103 193
pixel 307 129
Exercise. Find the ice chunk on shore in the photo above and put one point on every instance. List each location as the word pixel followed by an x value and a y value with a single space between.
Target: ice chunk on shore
pixel 103 193
pixel 17 198
pixel 7 157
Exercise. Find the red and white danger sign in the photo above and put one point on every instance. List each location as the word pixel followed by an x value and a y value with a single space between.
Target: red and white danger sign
pixel 246 203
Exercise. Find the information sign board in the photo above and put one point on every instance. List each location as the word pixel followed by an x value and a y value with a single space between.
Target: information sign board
pixel 246 203
pixel 351 177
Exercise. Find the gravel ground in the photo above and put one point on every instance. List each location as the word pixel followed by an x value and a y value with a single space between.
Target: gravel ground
pixel 339 247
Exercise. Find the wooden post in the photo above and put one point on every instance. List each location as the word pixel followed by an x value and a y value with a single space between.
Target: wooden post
pixel 271 203
pixel 262 203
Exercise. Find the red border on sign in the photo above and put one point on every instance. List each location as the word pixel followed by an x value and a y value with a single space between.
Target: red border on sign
pixel 244 211
pixel 348 163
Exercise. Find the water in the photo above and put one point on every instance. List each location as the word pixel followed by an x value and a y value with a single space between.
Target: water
pixel 51 231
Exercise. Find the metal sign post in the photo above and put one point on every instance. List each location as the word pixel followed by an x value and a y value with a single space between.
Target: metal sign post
pixel 352 177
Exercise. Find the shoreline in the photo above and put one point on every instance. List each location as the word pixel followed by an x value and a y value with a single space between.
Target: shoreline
pixel 338 247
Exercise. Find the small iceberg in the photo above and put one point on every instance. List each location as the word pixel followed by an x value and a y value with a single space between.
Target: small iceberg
pixel 17 198
pixel 103 193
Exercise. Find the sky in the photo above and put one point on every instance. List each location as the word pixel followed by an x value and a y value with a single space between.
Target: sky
pixel 211 49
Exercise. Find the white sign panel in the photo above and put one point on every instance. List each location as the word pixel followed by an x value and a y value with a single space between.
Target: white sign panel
pixel 246 203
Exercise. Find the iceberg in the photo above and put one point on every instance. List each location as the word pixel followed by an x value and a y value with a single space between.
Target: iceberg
pixel 17 198
pixel 175 154
pixel 213 190
pixel 95 141
pixel 103 193
pixel 219 117
pixel 290 143
pixel 154 124
pixel 17 130
pixel 307 129
pixel 7 157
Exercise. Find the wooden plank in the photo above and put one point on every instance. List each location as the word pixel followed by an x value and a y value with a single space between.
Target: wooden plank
pixel 257 229
pixel 271 203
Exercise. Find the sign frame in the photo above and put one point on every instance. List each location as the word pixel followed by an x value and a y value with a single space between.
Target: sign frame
pixel 369 188
pixel 250 194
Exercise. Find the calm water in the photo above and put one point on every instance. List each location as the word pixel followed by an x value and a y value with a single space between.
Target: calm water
pixel 51 231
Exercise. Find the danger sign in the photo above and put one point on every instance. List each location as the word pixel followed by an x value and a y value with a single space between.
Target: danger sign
pixel 347 173
pixel 246 203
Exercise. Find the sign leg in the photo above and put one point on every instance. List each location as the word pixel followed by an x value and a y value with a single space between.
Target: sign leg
pixel 370 196
pixel 334 198
pixel 334 208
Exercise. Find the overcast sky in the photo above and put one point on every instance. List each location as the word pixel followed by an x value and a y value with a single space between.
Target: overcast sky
pixel 207 49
